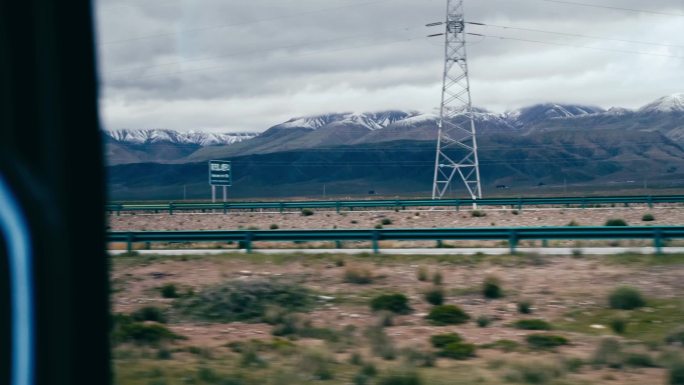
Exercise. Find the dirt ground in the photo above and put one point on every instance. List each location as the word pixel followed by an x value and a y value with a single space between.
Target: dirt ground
pixel 663 215
pixel 563 291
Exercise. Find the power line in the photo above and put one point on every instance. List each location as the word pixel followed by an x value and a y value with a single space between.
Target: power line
pixel 577 35
pixel 612 7
pixel 254 51
pixel 578 46
pixel 200 29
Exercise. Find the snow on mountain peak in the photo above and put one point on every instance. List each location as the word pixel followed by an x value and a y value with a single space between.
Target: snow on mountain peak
pixel 670 103
pixel 145 136
pixel 370 120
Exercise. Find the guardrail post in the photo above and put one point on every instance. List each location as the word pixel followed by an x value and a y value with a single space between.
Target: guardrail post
pixel 512 241
pixel 650 202
pixel 337 206
pixel 225 207
pixel 129 243
pixel 248 241
pixel 281 207
pixel 519 204
pixel 658 241
pixel 338 244
pixel 545 243
pixel 118 210
pixel 458 205
pixel 376 246
pixel 170 208
pixel 584 203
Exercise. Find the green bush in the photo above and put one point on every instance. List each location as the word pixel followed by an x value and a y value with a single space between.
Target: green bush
pixel 608 353
pixel 169 291
pixel 626 298
pixel 125 329
pixel 386 221
pixel 396 303
pixel 307 212
pixel 619 325
pixel 532 324
pixel 545 341
pixel 273 226
pixel 149 313
pixel 615 222
pixel 491 288
pixel 437 278
pixel 435 296
pixel 648 217
pixel 483 321
pixel 381 344
pixel 533 373
pixel 638 360
pixel 401 378
pixel 458 351
pixel 244 300
pixel 676 337
pixel 675 375
pixel 478 213
pixel 503 345
pixel 357 275
pixel 442 340
pixel 422 273
pixel 524 307
pixel 318 365
pixel 447 315
pixel 417 358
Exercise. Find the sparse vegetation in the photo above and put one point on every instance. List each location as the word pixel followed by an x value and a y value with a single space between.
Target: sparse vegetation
pixel 626 298
pixel 442 340
pixel 545 341
pixel 381 344
pixel 386 221
pixel 676 337
pixel 169 290
pixel 238 300
pixel 447 315
pixel 675 375
pixel 401 378
pixel 458 351
pixel 307 212
pixel 358 275
pixel 149 313
pixel 532 324
pixel 437 278
pixel 422 273
pixel 615 222
pixel 483 321
pixel 491 288
pixel 478 214
pixel 273 226
pixel 125 329
pixel 435 296
pixel 525 307
pixel 396 303
pixel 533 373
pixel 618 325
pixel 648 217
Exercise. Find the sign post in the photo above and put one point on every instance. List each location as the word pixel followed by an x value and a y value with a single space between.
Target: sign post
pixel 220 174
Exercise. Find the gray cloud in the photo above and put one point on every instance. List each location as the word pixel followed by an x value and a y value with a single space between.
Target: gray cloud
pixel 208 65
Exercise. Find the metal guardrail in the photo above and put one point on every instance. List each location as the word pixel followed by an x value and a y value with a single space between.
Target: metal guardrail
pixel 513 235
pixel 518 203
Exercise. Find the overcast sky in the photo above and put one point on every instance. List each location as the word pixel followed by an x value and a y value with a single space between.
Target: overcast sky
pixel 226 65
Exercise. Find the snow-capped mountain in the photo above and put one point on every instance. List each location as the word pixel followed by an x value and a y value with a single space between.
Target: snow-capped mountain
pixel 146 136
pixel 369 120
pixel 670 103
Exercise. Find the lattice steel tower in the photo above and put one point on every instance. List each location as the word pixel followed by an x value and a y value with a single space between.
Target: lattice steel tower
pixel 456 141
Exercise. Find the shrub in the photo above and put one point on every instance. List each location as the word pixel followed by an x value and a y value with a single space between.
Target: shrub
pixel 491 288
pixel 318 364
pixel 307 212
pixel 250 358
pixel 504 345
pixel 396 303
pixel 358 275
pixel 533 373
pixel 478 213
pixel 626 298
pixel 164 354
pixel 608 353
pixel 648 217
pixel 638 360
pixel 378 226
pixel 483 321
pixel 435 296
pixel 149 313
pixel 273 226
pixel 442 340
pixel 385 318
pixel 447 315
pixel 169 291
pixel 524 307
pixel 545 341
pixel 437 278
pixel 244 300
pixel 615 222
pixel 419 358
pixel 381 344
pixel 401 378
pixel 458 351
pixel 532 324
pixel 356 359
pixel 368 369
pixel 676 337
pixel 127 330
pixel 386 221
pixel 422 273
pixel 675 375
pixel 572 223
pixel 618 325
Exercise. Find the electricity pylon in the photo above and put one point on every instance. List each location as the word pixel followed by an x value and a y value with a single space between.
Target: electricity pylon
pixel 456 141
